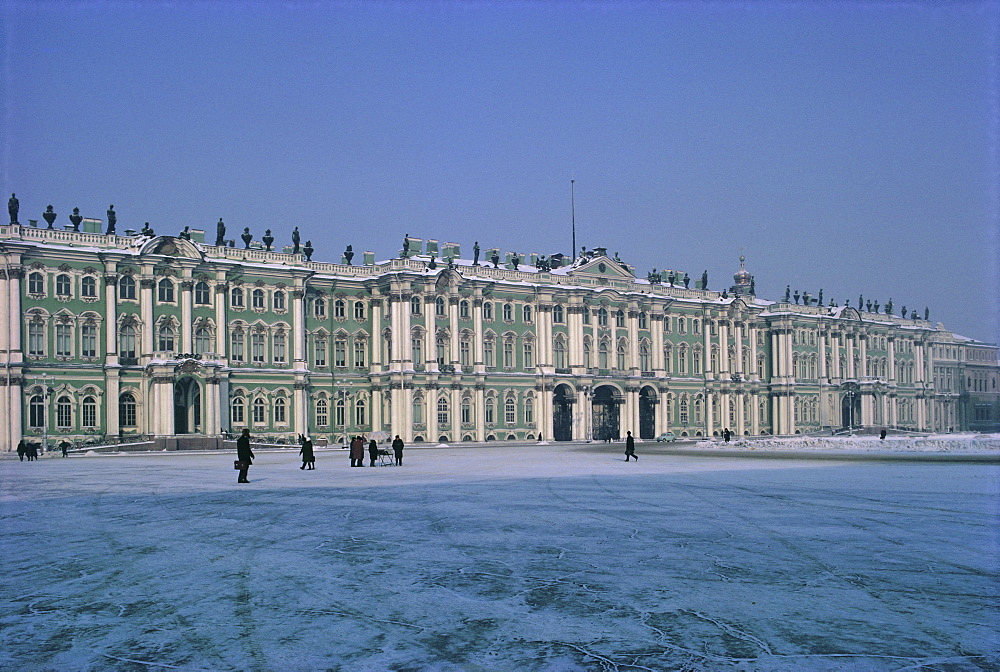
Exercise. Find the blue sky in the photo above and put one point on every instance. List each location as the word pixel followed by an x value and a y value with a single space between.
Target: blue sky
pixel 851 147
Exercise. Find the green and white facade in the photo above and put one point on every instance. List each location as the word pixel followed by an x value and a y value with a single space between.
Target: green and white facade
pixel 115 336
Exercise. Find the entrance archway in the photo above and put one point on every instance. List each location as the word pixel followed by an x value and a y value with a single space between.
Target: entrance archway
pixel 850 406
pixel 562 413
pixel 647 413
pixel 606 423
pixel 187 406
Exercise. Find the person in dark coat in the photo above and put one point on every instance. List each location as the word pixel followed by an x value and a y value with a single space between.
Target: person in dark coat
pixel 64 447
pixel 726 434
pixel 32 451
pixel 630 447
pixel 881 435
pixel 21 450
pixel 357 452
pixel 372 452
pixel 397 449
pixel 244 454
pixel 308 458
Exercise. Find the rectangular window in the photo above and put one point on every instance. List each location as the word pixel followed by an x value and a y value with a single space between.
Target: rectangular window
pixel 62 340
pixel 36 339
pixel 508 355
pixel 340 353
pixel 489 350
pixel 319 352
pixel 257 348
pixel 279 348
pixel 359 353
pixel 463 353
pixel 88 340
pixel 417 350
pixel 490 412
pixel 237 346
pixel 529 356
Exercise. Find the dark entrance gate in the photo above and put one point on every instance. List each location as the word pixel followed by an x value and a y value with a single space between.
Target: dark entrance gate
pixel 562 413
pixel 850 405
pixel 606 425
pixel 187 406
pixel 647 413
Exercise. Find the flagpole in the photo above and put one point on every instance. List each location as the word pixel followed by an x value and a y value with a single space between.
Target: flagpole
pixel 572 191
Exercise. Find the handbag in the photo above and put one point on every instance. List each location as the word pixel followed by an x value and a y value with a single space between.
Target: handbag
pixel 238 465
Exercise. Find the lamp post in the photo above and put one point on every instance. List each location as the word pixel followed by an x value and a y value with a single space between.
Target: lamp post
pixel 46 394
pixel 344 392
pixel 588 413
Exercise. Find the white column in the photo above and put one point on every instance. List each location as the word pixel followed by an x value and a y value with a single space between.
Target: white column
pixel 456 414
pixel 375 347
pixel 146 285
pixel 111 317
pixel 821 346
pixel 299 325
pixel 221 323
pixel 755 414
pixel 891 373
pixel 574 316
pixel 709 419
pixel 863 355
pixel 706 364
pixel 478 365
pixel 656 333
pixel 752 374
pixel 724 349
pixel 738 340
pixel 430 350
pixel 430 406
pixel 187 287
pixel 480 412
pixel 633 348
pixel 453 328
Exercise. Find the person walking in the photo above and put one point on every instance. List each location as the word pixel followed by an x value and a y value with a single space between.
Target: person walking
pixel 881 435
pixel 22 450
pixel 372 452
pixel 64 446
pixel 357 452
pixel 32 451
pixel 630 447
pixel 244 454
pixel 726 434
pixel 397 449
pixel 308 458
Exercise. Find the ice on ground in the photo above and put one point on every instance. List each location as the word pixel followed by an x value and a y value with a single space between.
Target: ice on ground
pixel 497 558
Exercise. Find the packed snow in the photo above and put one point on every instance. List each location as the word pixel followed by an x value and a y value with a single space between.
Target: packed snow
pixel 553 557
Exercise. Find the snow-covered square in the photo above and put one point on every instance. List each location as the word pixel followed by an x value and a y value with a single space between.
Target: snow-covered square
pixel 538 557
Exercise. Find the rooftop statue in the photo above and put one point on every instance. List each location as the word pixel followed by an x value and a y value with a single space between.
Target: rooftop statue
pixel 220 233
pixel 475 254
pixel 295 240
pixel 12 207
pixel 112 220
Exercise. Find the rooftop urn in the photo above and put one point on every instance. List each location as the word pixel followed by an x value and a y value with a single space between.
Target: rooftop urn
pixel 75 219
pixel 49 216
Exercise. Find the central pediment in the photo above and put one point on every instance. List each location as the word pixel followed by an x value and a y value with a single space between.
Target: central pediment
pixel 603 267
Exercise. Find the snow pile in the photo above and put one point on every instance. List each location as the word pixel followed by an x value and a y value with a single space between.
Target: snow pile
pixel 937 443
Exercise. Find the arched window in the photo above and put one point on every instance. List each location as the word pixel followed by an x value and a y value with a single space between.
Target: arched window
pixel 361 413
pixel 257 299
pixel 36 412
pixel 319 309
pixel 529 411
pixel 682 359
pixel 415 305
pixel 557 314
pixel 509 411
pixel 622 353
pixel 238 410
pixel 322 413
pixel 490 410
pixel 696 326
pixel 439 306
pixel 359 310
pixel 64 413
pixel 339 309
pixel 643 321
pixel 236 297
pixel 418 410
pixel 280 411
pixel 165 291
pixel 63 285
pixel 508 312
pixel 88 287
pixel 681 325
pixel 442 412
pixel 602 317
pixel 463 309
pixel 526 313
pixel 126 341
pixel 36 283
pixel 668 356
pixel 466 411
pixel 488 311
pixel 166 338
pixel 559 353
pixel 644 364
pixel 89 415
pixel 259 411
pixel 126 410
pixel 602 355
pixel 587 359
pixel 126 287
pixel 279 300
pixel 202 295
pixel 620 318
pixel 202 340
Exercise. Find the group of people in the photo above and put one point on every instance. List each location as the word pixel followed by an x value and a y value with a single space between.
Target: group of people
pixel 357 451
pixel 27 450
pixel 245 456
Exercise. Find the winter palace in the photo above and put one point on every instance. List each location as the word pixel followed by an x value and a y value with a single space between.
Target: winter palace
pixel 134 336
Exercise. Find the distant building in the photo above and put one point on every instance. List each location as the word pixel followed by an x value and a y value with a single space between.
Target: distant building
pixel 109 336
